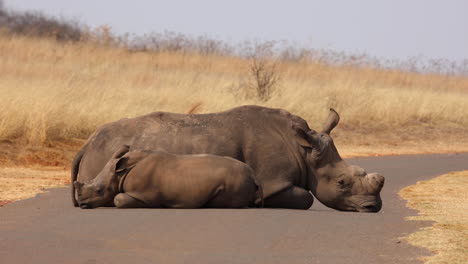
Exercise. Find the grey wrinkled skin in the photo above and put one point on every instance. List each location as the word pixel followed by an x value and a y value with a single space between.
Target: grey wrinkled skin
pixel 159 179
pixel 289 159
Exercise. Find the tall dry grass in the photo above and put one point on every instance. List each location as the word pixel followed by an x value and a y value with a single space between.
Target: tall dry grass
pixel 61 90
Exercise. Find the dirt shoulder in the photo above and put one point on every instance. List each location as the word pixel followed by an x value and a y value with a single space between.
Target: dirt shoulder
pixel 442 200
pixel 18 183
pixel 26 170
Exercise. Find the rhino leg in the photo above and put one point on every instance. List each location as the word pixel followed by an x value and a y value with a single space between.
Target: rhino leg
pixel 123 200
pixel 293 198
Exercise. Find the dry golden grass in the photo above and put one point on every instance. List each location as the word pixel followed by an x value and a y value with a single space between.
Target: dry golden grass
pixel 443 200
pixel 62 91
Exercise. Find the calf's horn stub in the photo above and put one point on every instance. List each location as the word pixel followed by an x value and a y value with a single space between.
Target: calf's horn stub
pixel 332 121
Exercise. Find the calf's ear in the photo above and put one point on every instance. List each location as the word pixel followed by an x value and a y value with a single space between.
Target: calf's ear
pixel 121 164
pixel 121 151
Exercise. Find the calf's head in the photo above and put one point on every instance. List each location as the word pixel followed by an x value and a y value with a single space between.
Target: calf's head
pixel 332 181
pixel 102 189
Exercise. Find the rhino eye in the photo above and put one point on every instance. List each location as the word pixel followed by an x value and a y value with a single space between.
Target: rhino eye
pixel 341 182
pixel 99 191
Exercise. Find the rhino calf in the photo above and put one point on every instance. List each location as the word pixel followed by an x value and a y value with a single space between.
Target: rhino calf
pixel 138 179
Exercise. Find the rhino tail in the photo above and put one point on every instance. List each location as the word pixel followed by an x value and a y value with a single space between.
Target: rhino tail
pixel 74 173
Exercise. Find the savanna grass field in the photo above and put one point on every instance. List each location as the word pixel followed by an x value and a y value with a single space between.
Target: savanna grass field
pixel 55 91
pixel 55 94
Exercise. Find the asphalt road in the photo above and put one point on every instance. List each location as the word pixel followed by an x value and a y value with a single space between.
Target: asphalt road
pixel 47 229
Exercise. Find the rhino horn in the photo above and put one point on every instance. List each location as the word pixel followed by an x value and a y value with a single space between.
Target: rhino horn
pixel 332 121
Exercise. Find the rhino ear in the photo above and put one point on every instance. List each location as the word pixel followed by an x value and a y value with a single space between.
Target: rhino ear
pixel 121 164
pixel 302 137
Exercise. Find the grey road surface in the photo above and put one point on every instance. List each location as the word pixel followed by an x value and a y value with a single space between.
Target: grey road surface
pixel 47 229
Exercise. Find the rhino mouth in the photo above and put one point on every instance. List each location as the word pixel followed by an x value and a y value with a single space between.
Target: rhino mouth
pixel 369 207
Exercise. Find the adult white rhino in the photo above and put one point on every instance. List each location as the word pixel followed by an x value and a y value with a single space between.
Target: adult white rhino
pixel 289 158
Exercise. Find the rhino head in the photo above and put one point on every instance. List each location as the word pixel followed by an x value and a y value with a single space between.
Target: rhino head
pixel 101 190
pixel 332 181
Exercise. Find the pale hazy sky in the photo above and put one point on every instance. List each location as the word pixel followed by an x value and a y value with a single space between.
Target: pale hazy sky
pixel 388 29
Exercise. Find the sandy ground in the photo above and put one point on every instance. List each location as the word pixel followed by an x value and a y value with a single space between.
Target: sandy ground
pixel 443 201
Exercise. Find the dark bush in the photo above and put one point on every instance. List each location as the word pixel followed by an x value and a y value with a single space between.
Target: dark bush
pixel 38 25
